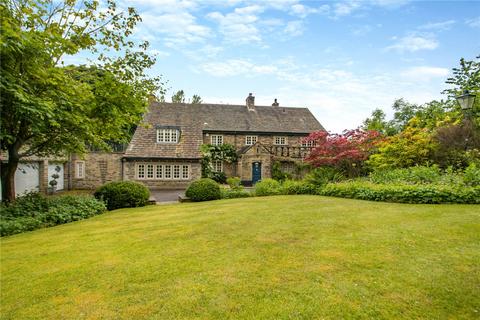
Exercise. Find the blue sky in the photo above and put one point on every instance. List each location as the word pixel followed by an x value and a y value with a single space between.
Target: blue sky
pixel 341 59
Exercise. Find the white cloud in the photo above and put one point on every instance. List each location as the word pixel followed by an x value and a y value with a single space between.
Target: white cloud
pixel 474 22
pixel 339 98
pixel 177 28
pixel 294 28
pixel 425 73
pixel 346 8
pixel 414 42
pixel 303 11
pixel 444 25
pixel 237 67
pixel 239 26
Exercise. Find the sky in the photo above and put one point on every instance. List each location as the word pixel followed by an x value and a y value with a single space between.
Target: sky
pixel 341 59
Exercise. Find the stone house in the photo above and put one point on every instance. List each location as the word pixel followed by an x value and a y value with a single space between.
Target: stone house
pixel 165 149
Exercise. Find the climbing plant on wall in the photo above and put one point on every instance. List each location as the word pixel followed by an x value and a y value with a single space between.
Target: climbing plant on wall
pixel 210 153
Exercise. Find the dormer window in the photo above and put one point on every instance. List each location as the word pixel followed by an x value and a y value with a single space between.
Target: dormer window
pixel 280 141
pixel 216 140
pixel 168 135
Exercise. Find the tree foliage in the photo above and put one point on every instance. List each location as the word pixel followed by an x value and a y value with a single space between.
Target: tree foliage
pixel 412 146
pixel 346 151
pixel 179 97
pixel 49 109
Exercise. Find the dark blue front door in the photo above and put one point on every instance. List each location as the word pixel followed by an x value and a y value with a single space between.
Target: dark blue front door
pixel 256 172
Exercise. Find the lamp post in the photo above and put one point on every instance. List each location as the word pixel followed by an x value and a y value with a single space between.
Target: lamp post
pixel 466 101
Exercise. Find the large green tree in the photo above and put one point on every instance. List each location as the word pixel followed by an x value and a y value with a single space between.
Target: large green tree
pixel 49 109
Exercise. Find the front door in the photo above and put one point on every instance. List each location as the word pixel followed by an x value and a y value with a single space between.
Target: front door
pixel 256 172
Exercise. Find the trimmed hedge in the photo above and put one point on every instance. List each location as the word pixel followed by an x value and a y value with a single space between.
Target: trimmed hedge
pixel 403 193
pixel 232 194
pixel 268 187
pixel 35 211
pixel 123 194
pixel 298 187
pixel 203 190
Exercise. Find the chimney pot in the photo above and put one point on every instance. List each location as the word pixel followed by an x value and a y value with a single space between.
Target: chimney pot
pixel 250 101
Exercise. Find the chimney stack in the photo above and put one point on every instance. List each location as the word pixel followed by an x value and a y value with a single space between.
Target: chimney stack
pixel 275 103
pixel 250 102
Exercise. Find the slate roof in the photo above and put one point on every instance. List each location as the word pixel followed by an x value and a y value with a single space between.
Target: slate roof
pixel 193 120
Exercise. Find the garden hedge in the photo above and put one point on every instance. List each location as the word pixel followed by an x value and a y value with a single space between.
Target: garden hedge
pixel 403 193
pixel 203 190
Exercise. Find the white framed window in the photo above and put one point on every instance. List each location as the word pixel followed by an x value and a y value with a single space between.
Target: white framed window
pixel 141 171
pixel 185 172
pixel 217 166
pixel 310 143
pixel 167 135
pixel 176 171
pixel 280 141
pixel 168 172
pixel 162 171
pixel 159 172
pixel 149 171
pixel 250 140
pixel 216 140
pixel 80 169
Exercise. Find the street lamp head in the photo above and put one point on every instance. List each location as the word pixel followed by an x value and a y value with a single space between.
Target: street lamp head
pixel 466 100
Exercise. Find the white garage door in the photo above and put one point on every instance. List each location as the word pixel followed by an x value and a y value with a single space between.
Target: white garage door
pixel 27 177
pixel 58 169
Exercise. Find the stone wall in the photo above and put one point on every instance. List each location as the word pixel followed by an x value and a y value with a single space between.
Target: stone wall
pixel 100 168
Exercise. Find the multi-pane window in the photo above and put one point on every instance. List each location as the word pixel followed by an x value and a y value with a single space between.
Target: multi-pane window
pixel 141 171
pixel 216 140
pixel 250 140
pixel 80 170
pixel 163 171
pixel 176 171
pixel 159 172
pixel 217 166
pixel 168 172
pixel 310 143
pixel 149 171
pixel 280 140
pixel 167 135
pixel 185 172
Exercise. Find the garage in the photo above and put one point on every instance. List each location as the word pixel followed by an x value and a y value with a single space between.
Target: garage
pixel 27 178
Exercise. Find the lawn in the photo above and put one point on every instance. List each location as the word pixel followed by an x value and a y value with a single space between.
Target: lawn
pixel 283 257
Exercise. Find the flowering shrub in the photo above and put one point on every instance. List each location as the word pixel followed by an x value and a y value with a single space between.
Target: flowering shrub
pixel 346 151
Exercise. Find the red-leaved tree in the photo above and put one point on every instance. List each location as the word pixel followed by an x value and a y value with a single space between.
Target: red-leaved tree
pixel 346 151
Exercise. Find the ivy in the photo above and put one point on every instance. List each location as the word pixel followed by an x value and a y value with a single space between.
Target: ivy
pixel 224 152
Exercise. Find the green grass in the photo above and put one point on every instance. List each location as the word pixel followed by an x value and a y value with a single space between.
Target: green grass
pixel 284 257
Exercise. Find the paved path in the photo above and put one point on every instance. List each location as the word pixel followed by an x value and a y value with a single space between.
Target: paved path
pixel 166 195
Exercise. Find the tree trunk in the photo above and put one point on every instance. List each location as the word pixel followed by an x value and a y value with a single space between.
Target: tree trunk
pixel 8 175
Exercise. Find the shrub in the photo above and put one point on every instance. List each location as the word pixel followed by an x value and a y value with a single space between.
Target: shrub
pixel 323 175
pixel 412 175
pixel 203 190
pixel 298 187
pixel 219 177
pixel 123 194
pixel 232 193
pixel 267 187
pixel 234 183
pixel 31 212
pixel 403 193
pixel 278 174
pixel 471 176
